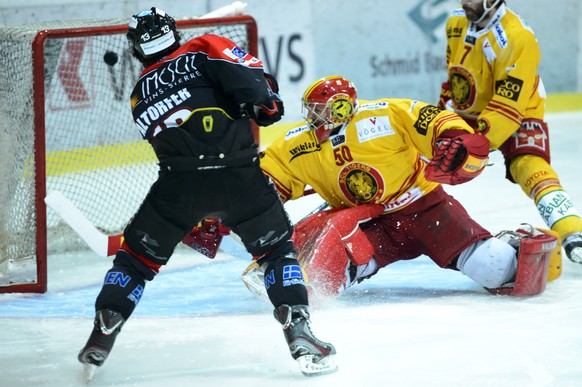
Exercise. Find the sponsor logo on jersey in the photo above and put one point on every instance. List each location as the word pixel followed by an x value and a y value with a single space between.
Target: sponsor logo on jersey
pixel 500 35
pixel 305 148
pixel 509 88
pixel 373 106
pixel 454 32
pixel 236 54
pixel 426 115
pixel 295 132
pixel 171 74
pixel 463 88
pixel 488 51
pixel 337 140
pixel 406 198
pixel 470 39
pixel 373 127
pixel 361 183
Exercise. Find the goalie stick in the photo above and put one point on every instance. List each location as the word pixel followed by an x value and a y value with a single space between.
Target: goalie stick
pixel 102 244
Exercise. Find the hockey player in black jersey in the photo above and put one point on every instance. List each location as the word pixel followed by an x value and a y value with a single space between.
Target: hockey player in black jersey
pixel 193 103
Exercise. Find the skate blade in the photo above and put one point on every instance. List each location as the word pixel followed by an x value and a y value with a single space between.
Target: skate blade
pixel 89 371
pixel 312 365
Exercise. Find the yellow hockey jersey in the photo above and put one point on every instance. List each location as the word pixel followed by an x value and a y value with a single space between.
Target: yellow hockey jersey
pixel 492 73
pixel 377 158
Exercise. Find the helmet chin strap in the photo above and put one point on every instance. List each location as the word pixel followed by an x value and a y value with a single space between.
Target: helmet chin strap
pixel 486 10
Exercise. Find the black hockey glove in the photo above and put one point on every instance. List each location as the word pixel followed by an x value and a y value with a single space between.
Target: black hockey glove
pixel 272 82
pixel 266 115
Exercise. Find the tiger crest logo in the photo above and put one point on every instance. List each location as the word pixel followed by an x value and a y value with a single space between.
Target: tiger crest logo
pixel 341 108
pixel 463 89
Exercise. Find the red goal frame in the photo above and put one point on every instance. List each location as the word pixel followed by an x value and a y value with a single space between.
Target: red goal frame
pixel 40 286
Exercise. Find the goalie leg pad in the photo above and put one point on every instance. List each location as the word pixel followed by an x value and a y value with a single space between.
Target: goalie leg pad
pixel 535 250
pixel 331 242
pixel 490 262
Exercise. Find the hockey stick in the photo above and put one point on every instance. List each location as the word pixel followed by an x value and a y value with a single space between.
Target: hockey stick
pixel 102 244
pixel 233 9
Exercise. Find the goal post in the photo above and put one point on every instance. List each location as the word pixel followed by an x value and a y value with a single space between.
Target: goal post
pixel 66 125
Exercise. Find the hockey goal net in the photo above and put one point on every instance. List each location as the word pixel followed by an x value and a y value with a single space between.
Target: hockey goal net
pixel 65 125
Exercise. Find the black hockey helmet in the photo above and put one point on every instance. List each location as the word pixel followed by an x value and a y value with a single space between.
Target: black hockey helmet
pixel 151 34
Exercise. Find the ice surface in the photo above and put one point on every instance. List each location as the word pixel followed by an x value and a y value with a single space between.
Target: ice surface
pixel 413 324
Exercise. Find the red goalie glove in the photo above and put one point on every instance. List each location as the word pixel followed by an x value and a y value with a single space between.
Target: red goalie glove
pixel 458 159
pixel 206 237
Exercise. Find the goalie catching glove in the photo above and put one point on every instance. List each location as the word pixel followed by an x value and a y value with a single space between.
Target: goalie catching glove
pixel 206 237
pixel 457 158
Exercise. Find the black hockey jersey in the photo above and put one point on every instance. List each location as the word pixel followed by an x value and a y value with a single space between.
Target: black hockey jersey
pixel 189 103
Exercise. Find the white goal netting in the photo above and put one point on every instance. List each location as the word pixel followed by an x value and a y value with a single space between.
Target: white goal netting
pixel 65 125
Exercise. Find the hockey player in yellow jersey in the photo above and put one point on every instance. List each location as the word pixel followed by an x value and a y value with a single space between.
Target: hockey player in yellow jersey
pixel 492 59
pixel 380 164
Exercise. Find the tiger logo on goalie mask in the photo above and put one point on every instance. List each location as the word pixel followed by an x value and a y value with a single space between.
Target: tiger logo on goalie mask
pixel 341 108
pixel 329 103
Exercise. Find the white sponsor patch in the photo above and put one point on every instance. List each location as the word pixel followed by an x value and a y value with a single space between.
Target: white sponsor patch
pixel 158 44
pixel 406 198
pixel 373 106
pixel 238 55
pixel 373 127
pixel 488 51
pixel 556 206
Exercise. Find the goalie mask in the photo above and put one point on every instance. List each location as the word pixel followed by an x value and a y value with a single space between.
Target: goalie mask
pixel 151 34
pixel 329 103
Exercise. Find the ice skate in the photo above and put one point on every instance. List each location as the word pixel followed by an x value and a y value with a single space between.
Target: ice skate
pixel 314 356
pixel 573 247
pixel 107 325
